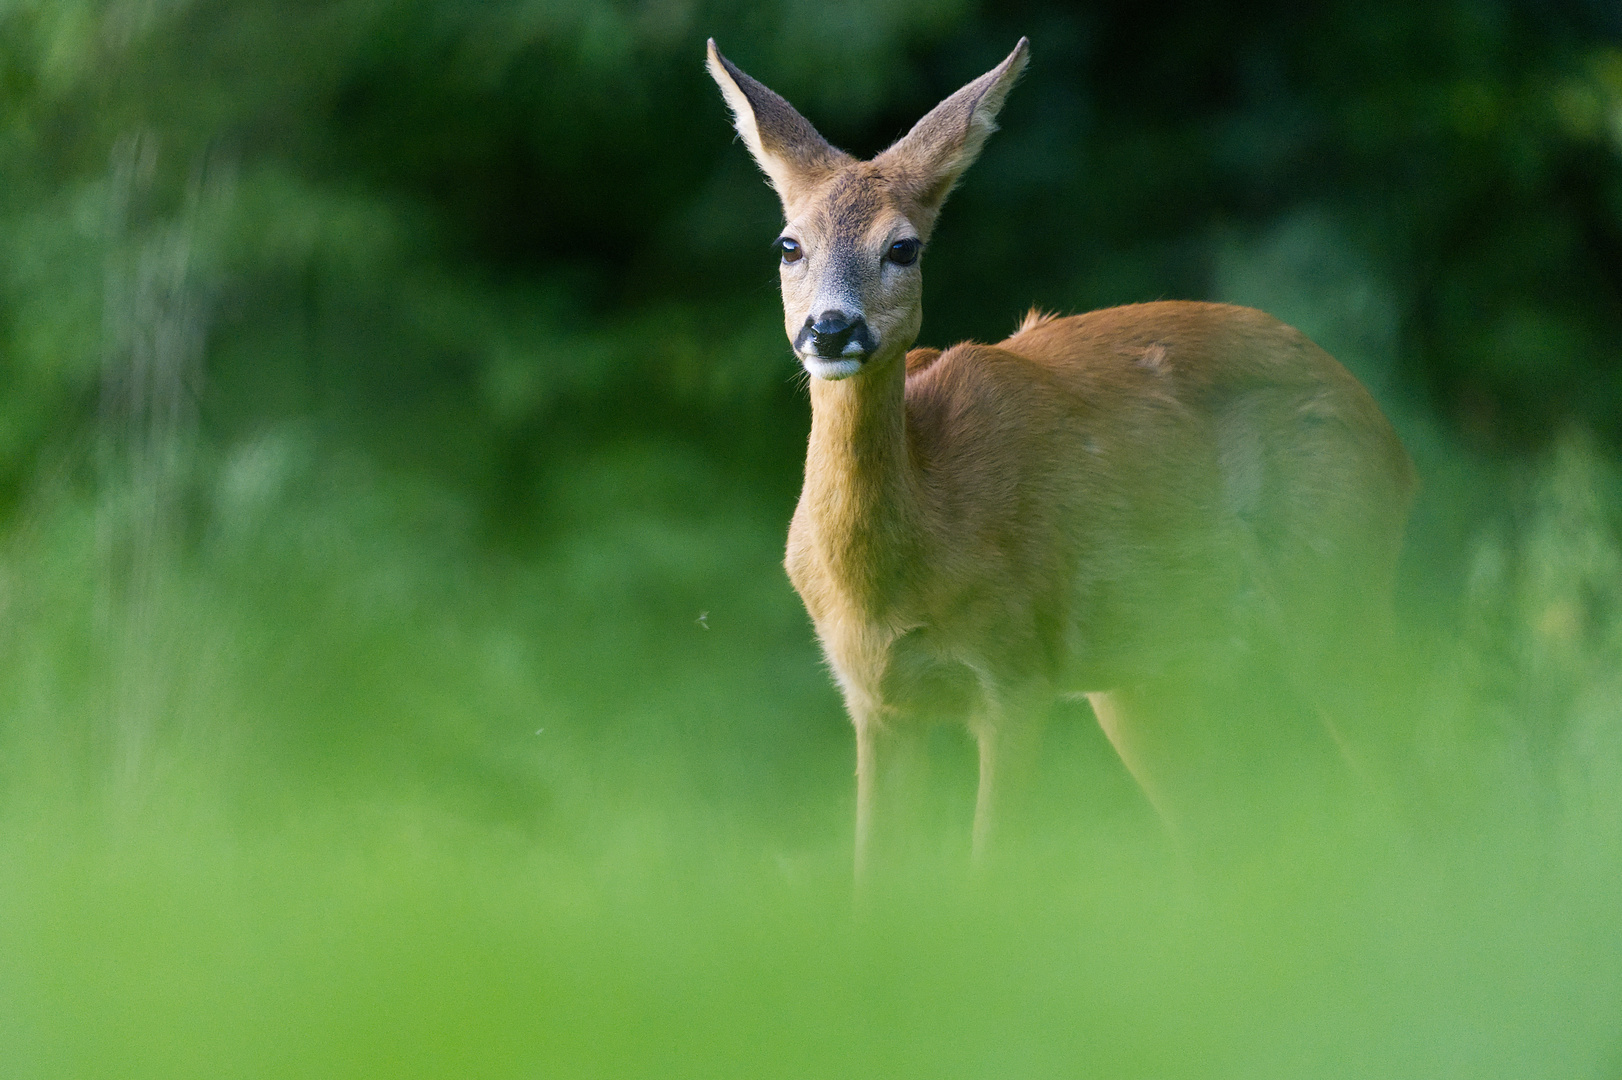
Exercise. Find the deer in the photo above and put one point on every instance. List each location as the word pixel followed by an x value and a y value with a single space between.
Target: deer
pixel 1122 505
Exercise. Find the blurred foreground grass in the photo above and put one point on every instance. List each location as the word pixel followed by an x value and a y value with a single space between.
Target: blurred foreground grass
pixel 327 788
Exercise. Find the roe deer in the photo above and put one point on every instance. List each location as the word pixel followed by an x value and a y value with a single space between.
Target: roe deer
pixel 1118 504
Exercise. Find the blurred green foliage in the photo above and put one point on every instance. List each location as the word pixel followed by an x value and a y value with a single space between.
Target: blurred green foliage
pixel 397 435
pixel 522 219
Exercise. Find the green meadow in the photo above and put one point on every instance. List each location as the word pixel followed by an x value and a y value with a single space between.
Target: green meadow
pixel 398 677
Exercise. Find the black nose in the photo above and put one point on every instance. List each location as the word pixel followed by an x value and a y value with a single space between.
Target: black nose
pixel 832 331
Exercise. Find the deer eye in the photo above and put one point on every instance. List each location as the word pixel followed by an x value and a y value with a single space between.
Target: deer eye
pixel 788 249
pixel 903 252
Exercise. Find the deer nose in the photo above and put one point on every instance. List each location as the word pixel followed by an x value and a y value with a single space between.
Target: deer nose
pixel 833 332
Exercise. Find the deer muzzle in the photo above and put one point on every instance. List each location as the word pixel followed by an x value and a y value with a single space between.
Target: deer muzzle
pixel 835 335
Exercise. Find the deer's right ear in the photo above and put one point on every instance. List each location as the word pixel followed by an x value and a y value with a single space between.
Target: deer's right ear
pixel 784 144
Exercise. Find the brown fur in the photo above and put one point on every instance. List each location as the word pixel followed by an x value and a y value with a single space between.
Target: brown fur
pixel 1111 503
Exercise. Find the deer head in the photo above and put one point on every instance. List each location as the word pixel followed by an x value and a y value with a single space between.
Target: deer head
pixel 851 276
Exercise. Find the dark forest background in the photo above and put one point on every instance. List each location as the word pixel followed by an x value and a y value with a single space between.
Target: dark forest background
pixel 465 236
pixel 397 438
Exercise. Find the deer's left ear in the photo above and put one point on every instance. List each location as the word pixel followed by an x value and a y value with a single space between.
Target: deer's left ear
pixel 787 148
pixel 929 159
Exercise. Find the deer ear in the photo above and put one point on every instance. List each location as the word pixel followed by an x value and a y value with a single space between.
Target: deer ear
pixel 929 159
pixel 784 144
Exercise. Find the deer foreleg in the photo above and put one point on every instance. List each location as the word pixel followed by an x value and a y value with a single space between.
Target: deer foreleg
pixel 891 771
pixel 1010 737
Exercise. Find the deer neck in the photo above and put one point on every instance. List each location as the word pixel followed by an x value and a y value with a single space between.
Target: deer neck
pixel 861 499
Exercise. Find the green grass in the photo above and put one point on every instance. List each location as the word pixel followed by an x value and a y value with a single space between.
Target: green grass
pixel 327 788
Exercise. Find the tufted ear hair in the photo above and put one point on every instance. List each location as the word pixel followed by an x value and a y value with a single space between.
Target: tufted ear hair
pixel 794 157
pixel 929 159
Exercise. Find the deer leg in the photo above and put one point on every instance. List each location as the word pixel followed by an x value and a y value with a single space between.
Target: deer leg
pixel 1124 728
pixel 866 782
pixel 1178 740
pixel 1205 746
pixel 891 767
pixel 1010 739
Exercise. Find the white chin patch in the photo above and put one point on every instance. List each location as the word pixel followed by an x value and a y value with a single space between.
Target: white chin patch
pixel 832 370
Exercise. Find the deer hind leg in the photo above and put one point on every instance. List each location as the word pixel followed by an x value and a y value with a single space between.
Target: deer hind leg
pixel 1329 560
pixel 1329 640
pixel 1199 743
pixel 1133 736
pixel 1177 738
pixel 1319 492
